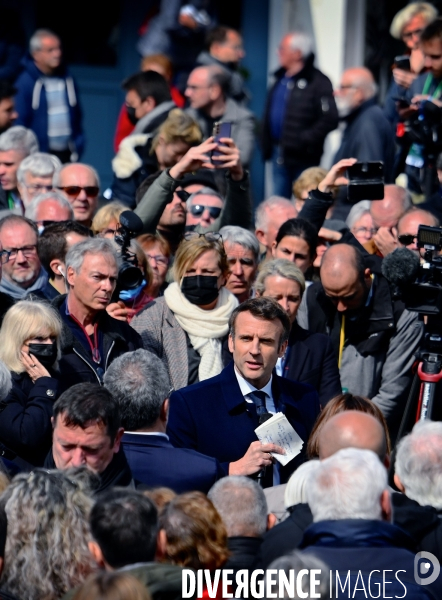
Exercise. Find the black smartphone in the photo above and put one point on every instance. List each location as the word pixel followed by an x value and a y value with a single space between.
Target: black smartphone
pixel 403 102
pixel 220 130
pixel 366 181
pixel 402 62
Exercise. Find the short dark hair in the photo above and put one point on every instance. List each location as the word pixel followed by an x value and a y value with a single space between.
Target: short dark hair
pixel 7 90
pixel 217 35
pixel 84 403
pixel 302 229
pixel 124 523
pixel 52 242
pixel 263 308
pixel 148 83
pixel 431 31
pixel 9 219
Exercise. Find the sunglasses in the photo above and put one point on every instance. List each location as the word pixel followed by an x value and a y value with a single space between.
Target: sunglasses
pixel 183 195
pixel 197 209
pixel 211 236
pixel 406 239
pixel 73 191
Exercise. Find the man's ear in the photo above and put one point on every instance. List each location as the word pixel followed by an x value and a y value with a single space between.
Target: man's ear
pixel 262 237
pixel 386 506
pixel 367 276
pixel 398 483
pixel 231 343
pixel 282 349
pixel 117 441
pixel 97 554
pixel 57 267
pixel 161 552
pixel 149 104
pixel 164 412
pixel 70 276
pixel 271 521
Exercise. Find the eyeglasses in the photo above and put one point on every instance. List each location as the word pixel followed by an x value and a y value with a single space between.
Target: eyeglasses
pixel 4 256
pixel 39 188
pixel 158 258
pixel 211 236
pixel 73 191
pixel 27 251
pixel 371 231
pixel 197 209
pixel 183 195
pixel 406 239
pixel 410 34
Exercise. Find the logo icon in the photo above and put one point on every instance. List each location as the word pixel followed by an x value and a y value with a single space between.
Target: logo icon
pixel 426 568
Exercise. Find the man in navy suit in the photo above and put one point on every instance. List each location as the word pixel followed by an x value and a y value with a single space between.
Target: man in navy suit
pixel 140 384
pixel 218 417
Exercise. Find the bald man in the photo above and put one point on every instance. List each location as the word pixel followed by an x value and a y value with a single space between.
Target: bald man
pixel 408 227
pixel 368 135
pixel 353 429
pixel 375 339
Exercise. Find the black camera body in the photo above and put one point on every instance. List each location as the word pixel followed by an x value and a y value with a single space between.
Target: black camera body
pixel 366 181
pixel 129 275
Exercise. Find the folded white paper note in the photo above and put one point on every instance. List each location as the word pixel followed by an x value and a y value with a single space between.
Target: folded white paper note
pixel 277 430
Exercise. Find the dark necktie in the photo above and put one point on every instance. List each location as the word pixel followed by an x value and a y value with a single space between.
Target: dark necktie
pixel 259 398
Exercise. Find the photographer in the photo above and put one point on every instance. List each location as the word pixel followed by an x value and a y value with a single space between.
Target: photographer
pixel 92 339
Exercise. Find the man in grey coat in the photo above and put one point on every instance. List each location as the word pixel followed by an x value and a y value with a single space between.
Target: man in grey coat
pixel 207 91
pixel 375 338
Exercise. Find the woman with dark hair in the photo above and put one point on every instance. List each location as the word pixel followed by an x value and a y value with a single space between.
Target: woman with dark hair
pixel 297 240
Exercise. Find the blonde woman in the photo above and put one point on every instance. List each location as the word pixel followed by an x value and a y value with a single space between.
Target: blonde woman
pixel 141 154
pixel 30 348
pixel 187 328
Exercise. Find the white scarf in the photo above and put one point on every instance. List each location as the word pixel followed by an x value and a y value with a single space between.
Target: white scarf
pixel 204 327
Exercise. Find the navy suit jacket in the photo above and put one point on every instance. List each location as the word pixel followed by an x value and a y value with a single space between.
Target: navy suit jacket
pixel 155 462
pixel 213 417
pixel 311 359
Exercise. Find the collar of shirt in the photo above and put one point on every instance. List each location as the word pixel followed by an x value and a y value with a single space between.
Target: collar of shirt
pixel 246 388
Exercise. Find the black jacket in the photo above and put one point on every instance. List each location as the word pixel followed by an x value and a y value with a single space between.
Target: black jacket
pixel 310 115
pixel 25 418
pixel 6 302
pixel 369 137
pixel 310 358
pixel 423 523
pixel 284 537
pixel 76 363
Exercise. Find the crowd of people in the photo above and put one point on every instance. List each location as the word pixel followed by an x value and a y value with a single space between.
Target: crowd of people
pixel 148 330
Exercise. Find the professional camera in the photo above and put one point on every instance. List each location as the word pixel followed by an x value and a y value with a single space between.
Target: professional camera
pixel 426 128
pixel 418 285
pixel 129 275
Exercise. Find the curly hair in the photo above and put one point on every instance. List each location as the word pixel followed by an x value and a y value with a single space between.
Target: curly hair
pixel 196 535
pixel 46 550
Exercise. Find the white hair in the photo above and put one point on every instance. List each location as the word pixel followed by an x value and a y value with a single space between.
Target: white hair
pixel 419 463
pixel 56 180
pixel 35 43
pixel 347 485
pixel 404 16
pixel 77 252
pixel 263 210
pixel 238 235
pixel 241 504
pixel 295 562
pixel 31 210
pixel 296 489
pixel 205 191
pixel 5 380
pixel 357 211
pixel 301 41
pixel 39 164
pixel 19 138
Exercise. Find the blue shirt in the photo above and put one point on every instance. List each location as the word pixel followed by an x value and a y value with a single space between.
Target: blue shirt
pixel 277 107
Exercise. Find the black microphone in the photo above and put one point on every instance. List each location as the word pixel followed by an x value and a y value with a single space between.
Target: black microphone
pixel 401 267
pixel 131 221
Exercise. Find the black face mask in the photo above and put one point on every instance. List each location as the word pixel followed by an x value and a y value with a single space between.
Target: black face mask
pixel 200 289
pixel 131 114
pixel 45 353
